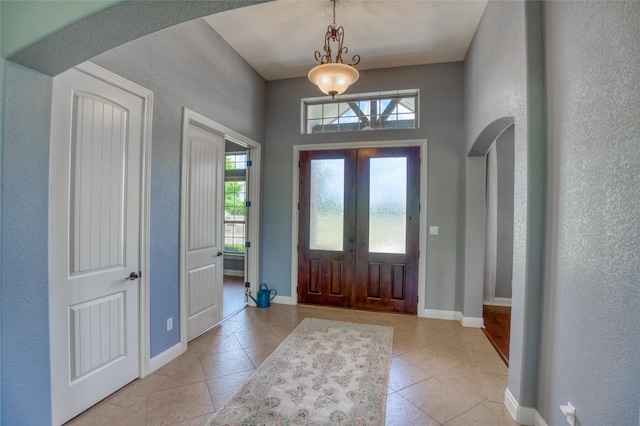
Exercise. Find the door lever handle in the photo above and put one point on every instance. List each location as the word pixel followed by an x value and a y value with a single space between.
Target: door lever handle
pixel 133 276
pixel 219 254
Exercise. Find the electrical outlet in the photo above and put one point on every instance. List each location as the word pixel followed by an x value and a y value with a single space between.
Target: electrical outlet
pixel 170 324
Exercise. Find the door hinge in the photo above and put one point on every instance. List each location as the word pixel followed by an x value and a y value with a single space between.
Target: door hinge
pixel 249 163
pixel 298 206
pixel 298 164
pixel 247 203
pixel 247 243
pixel 417 299
pixel 298 247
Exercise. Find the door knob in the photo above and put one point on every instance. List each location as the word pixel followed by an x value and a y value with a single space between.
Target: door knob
pixel 219 254
pixel 133 276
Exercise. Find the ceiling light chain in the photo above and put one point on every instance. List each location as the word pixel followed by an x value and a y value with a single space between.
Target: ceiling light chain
pixel 334 77
pixel 334 34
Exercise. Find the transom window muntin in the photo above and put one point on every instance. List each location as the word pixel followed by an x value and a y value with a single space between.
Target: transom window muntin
pixel 379 111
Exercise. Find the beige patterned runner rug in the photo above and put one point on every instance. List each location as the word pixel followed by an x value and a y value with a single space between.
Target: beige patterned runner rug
pixel 325 372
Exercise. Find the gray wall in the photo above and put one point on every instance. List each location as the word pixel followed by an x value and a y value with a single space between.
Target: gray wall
pixel 590 323
pixel 504 255
pixel 24 252
pixel 494 88
pixel 503 77
pixel 188 65
pixel 2 66
pixel 440 123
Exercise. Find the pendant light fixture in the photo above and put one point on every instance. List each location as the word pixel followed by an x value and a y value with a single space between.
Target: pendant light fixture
pixel 333 77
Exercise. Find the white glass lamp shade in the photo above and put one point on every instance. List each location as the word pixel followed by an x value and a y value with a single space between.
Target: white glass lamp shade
pixel 334 78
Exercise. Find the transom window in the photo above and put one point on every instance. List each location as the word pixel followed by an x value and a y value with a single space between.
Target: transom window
pixel 380 111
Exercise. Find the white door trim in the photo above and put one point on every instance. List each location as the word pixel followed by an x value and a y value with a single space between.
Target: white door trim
pixel 253 220
pixel 422 260
pixel 107 76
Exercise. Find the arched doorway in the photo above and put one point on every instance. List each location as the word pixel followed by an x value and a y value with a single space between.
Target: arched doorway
pixel 489 232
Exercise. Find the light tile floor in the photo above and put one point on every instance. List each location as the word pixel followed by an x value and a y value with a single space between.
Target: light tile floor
pixel 441 373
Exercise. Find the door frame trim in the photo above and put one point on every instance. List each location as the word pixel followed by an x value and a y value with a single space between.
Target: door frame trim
pixel 422 259
pixel 253 218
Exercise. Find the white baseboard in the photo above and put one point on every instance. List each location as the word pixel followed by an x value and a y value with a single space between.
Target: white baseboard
pixel 522 415
pixel 497 301
pixel 233 272
pixel 454 316
pixel 444 315
pixel 166 357
pixel 472 322
pixel 285 300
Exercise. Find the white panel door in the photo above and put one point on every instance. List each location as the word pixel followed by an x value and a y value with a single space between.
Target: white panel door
pixel 204 161
pixel 96 152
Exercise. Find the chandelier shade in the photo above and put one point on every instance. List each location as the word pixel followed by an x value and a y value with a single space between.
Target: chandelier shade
pixel 333 77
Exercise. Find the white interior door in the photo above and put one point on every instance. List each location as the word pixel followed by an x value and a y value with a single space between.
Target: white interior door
pixel 97 135
pixel 203 200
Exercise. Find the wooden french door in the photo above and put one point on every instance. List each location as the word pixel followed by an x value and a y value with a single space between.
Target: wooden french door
pixel 359 228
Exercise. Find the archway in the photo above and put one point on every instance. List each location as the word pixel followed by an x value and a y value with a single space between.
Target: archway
pixel 475 225
pixel 112 27
pixel 491 167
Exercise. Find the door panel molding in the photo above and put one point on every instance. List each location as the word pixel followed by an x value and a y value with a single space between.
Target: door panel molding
pixel 107 76
pixel 422 243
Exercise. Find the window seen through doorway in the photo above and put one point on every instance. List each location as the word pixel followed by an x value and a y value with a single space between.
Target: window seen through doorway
pixel 235 191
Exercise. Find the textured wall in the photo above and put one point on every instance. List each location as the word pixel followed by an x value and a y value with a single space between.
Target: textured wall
pixel 440 123
pixel 495 87
pixel 590 333
pixel 27 22
pixel 504 267
pixel 24 253
pixel 503 77
pixel 217 84
pixel 2 66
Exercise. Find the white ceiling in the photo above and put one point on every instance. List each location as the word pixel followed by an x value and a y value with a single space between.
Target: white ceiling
pixel 278 38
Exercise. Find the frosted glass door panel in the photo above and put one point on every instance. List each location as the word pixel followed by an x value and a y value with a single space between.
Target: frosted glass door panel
pixel 326 205
pixel 388 205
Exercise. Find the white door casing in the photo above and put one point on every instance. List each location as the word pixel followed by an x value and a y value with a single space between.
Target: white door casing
pixel 203 197
pixel 99 152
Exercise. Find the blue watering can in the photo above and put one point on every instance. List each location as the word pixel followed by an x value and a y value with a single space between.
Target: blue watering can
pixel 264 296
